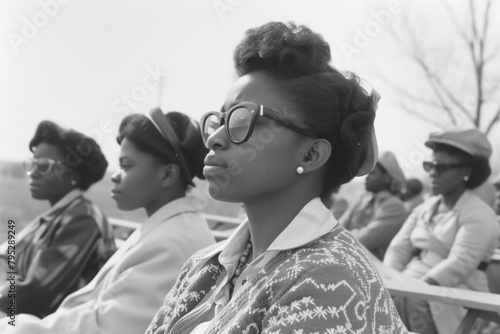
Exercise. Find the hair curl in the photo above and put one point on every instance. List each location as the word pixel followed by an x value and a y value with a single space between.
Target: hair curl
pixel 334 104
pixel 480 166
pixel 89 162
pixel 139 130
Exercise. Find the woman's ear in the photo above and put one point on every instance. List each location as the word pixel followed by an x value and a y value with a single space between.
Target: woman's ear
pixel 168 174
pixel 318 154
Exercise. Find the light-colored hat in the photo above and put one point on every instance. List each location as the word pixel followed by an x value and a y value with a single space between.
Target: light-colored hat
pixel 389 162
pixel 471 141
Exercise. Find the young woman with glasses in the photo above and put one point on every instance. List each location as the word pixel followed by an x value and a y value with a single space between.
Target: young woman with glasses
pixel 449 239
pixel 291 131
pixel 63 248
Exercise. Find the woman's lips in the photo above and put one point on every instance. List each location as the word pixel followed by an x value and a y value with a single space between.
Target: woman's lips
pixel 115 193
pixel 34 186
pixel 213 165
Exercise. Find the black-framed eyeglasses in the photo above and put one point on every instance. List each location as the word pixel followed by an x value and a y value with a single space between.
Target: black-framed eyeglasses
pixel 440 167
pixel 240 122
pixel 43 165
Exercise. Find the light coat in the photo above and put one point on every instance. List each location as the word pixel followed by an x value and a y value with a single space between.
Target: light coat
pixel 464 237
pixel 129 289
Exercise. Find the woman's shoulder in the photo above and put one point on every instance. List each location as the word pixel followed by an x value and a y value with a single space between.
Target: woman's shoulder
pixel 337 252
pixel 82 208
pixel 333 267
pixel 471 206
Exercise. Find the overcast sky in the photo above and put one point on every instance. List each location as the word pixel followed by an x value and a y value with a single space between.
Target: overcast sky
pixel 86 63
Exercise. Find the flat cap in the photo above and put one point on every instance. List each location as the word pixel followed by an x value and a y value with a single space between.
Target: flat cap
pixel 471 141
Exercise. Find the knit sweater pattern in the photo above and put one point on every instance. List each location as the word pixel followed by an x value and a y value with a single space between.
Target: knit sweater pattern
pixel 327 286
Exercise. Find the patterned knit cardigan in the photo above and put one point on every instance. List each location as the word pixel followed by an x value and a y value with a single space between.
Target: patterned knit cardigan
pixel 326 286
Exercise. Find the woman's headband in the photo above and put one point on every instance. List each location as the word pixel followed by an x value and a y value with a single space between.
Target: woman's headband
pixel 158 119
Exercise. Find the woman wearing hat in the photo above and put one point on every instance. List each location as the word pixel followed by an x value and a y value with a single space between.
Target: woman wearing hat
pixel 159 157
pixel 379 214
pixel 291 130
pixel 63 248
pixel 450 238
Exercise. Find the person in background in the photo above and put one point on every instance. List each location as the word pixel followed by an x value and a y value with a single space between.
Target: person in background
pixel 450 238
pixel 411 194
pixel 159 157
pixel 496 183
pixel 290 267
pixel 378 215
pixel 62 249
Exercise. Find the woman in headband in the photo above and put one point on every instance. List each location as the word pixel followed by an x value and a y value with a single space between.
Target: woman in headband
pixel 291 131
pixel 159 156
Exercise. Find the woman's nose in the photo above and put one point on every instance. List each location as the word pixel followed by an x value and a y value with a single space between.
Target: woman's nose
pixel 218 139
pixel 115 177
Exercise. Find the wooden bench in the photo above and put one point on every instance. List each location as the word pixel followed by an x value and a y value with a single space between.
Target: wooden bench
pixel 479 305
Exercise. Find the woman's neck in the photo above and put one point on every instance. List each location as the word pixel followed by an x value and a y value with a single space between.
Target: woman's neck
pixel 451 198
pixel 160 201
pixel 268 216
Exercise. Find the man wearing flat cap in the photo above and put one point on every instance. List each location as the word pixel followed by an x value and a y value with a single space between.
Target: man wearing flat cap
pixel 379 214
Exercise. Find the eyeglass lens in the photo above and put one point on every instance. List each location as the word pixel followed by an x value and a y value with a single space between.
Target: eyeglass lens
pixel 239 123
pixel 43 166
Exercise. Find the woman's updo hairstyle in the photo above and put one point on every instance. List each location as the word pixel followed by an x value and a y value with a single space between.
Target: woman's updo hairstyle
pixel 139 130
pixel 81 154
pixel 333 103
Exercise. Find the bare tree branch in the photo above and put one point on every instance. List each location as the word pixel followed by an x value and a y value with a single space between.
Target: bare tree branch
pixel 419 115
pixel 440 89
pixel 457 25
pixel 448 98
pixel 399 89
pixel 493 121
pixel 493 53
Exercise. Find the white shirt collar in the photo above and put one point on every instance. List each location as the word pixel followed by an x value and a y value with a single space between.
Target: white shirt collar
pixel 312 222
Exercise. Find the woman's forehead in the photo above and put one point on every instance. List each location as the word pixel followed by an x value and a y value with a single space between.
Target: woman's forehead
pixel 46 150
pixel 260 88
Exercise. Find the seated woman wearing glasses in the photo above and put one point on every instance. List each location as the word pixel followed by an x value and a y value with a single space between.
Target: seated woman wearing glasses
pixel 159 157
pixel 450 238
pixel 63 248
pixel 292 130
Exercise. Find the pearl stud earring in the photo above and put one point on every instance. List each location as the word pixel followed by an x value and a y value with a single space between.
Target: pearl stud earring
pixel 300 170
